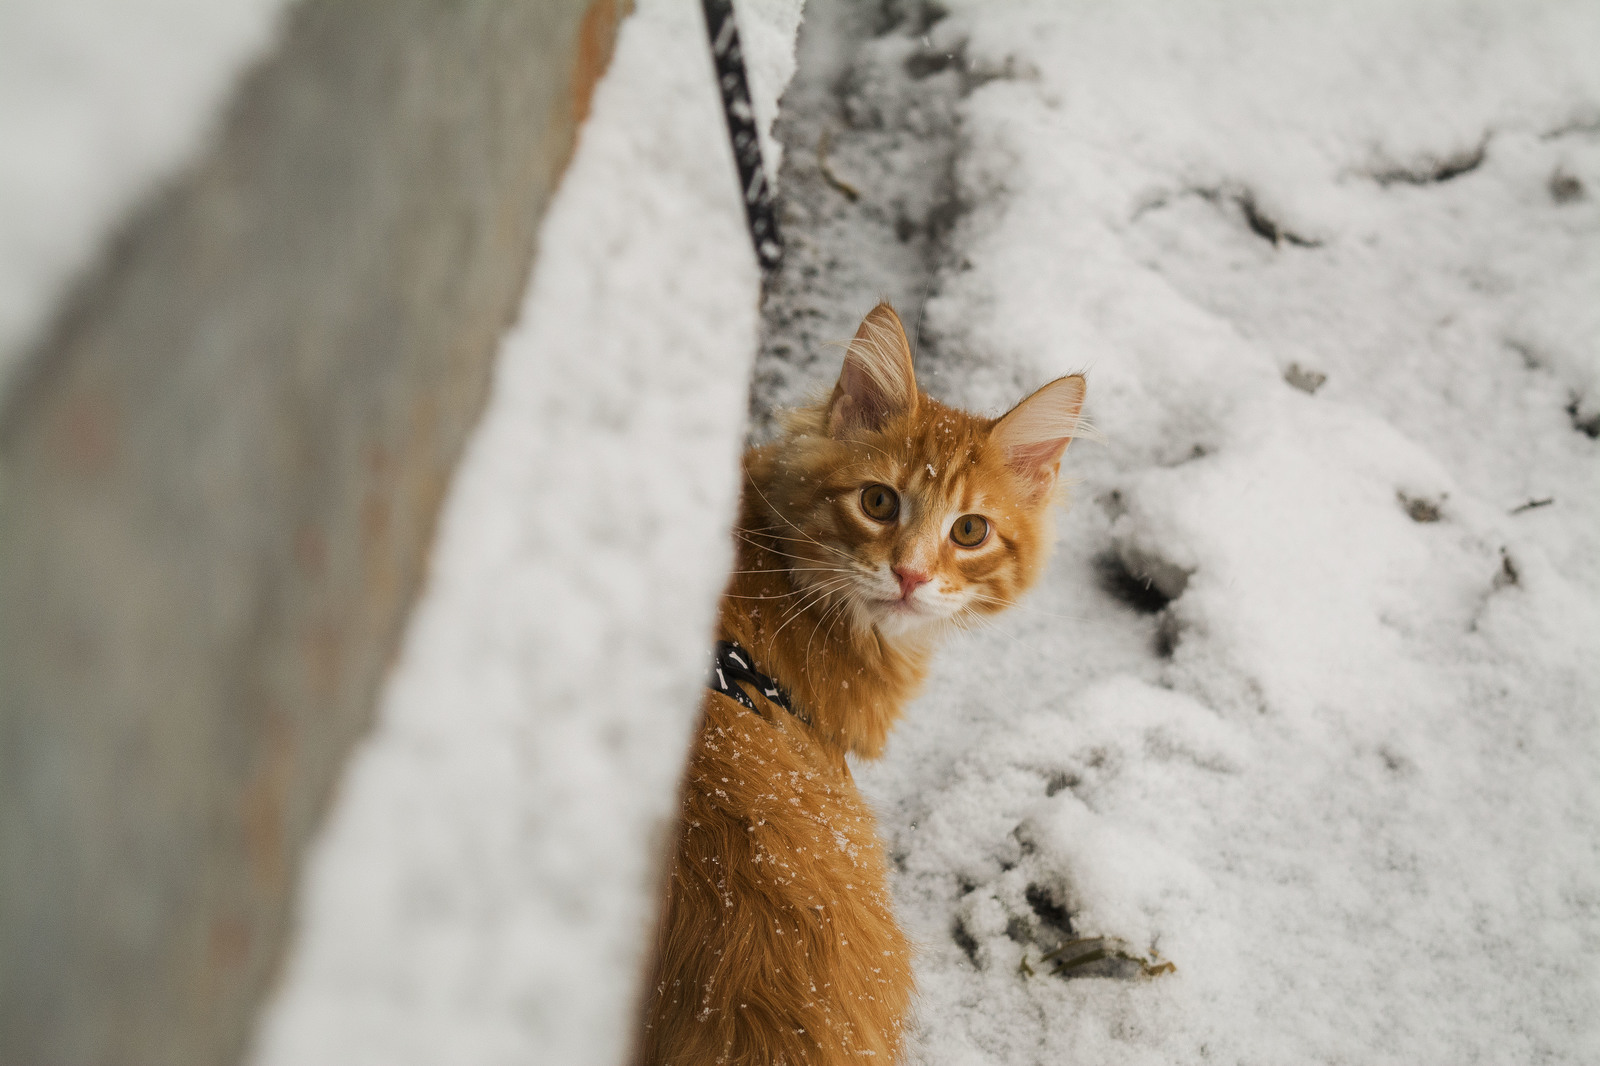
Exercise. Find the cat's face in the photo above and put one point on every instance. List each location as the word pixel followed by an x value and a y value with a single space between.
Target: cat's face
pixel 904 514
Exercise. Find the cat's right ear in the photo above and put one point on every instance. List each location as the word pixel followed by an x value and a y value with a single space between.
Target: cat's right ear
pixel 877 382
pixel 1033 434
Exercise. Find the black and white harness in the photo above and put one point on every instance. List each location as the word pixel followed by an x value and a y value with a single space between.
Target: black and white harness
pixel 731 665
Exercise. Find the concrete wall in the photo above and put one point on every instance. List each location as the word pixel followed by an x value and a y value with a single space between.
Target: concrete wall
pixel 218 479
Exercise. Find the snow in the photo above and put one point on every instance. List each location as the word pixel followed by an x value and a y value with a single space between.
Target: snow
pixel 1307 704
pixel 1337 763
pixel 1299 731
pixel 484 888
pixel 767 32
pixel 99 101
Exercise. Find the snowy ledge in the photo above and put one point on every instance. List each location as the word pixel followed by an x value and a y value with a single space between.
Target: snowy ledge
pixel 288 259
pixel 486 885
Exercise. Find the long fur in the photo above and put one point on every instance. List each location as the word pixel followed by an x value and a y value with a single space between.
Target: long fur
pixel 778 943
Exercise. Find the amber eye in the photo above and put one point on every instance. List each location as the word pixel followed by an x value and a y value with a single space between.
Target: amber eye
pixel 969 530
pixel 880 502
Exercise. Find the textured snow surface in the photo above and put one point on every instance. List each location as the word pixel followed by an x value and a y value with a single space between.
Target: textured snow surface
pixel 1308 705
pixel 99 100
pixel 485 887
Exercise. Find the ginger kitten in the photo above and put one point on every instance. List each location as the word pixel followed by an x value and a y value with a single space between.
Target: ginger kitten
pixel 877 520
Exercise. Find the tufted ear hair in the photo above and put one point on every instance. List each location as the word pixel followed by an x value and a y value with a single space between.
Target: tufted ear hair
pixel 877 382
pixel 1033 435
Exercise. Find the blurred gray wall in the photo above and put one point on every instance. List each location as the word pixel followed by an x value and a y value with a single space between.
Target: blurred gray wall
pixel 218 481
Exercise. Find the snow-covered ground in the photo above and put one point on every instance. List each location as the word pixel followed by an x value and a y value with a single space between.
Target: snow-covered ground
pixel 1309 704
pixel 485 887
pixel 99 101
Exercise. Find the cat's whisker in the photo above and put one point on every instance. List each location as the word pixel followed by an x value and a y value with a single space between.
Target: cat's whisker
pixel 989 624
pixel 746 535
pixel 844 601
pixel 752 483
pixel 798 569
pixel 771 548
pixel 1017 606
pixel 807 656
pixel 844 557
pixel 826 586
pixel 825 590
pixel 993 625
pixel 798 590
pixel 802 564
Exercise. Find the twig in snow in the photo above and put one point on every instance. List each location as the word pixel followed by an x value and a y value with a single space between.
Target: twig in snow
pixel 1435 171
pixel 850 191
pixel 1507 574
pixel 1419 509
pixel 1087 951
pixel 1307 381
pixel 1531 504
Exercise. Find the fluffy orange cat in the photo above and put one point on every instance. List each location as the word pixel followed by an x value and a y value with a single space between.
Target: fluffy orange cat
pixel 877 520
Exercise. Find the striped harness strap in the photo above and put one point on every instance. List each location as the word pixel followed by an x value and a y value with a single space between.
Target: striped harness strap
pixel 731 665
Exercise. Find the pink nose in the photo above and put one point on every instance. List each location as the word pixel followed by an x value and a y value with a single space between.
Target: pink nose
pixel 909 580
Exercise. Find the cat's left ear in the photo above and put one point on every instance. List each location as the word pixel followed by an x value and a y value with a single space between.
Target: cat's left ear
pixel 877 382
pixel 1033 435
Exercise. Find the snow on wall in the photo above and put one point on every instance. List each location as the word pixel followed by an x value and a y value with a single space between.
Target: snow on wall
pixel 767 31
pixel 484 888
pixel 1307 705
pixel 98 101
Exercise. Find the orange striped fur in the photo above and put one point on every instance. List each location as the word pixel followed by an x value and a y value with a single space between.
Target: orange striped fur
pixel 778 943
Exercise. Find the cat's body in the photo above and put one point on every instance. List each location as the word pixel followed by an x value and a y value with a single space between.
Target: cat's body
pixel 858 545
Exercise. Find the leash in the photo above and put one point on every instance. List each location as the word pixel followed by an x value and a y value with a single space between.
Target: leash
pixel 731 664
pixel 723 31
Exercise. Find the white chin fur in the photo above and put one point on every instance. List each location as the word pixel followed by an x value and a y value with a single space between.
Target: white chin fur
pixel 896 621
pixel 904 623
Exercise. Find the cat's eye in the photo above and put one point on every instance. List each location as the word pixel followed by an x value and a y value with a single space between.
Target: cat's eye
pixel 970 530
pixel 880 502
